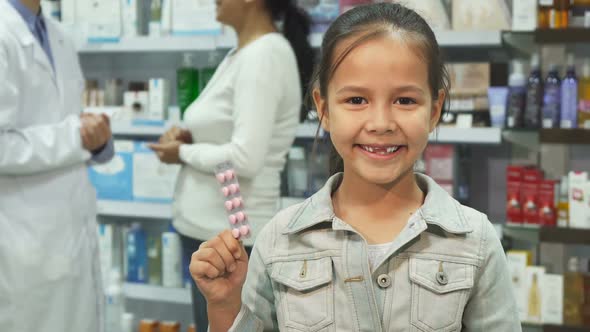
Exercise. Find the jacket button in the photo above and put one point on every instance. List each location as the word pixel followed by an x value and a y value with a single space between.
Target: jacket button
pixel 384 281
pixel 442 278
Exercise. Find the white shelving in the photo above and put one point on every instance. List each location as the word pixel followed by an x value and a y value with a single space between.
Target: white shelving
pixel 156 293
pixel 209 43
pixel 467 135
pixel 134 209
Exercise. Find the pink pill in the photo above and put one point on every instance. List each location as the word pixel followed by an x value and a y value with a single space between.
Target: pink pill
pixel 233 188
pixel 229 174
pixel 236 202
pixel 244 230
pixel 236 233
pixel 232 219
pixel 220 177
pixel 240 216
pixel 228 205
pixel 225 191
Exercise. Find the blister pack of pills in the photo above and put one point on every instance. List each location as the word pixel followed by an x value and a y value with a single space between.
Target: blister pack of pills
pixel 234 203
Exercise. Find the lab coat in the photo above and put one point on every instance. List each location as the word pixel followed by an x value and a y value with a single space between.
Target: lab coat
pixel 49 266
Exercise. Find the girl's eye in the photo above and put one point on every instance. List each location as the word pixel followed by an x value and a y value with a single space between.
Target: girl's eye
pixel 356 101
pixel 405 101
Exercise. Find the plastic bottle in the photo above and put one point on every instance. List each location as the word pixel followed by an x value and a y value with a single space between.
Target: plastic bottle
pixel 584 96
pixel 155 260
pixel 127 322
pixel 137 266
pixel 171 259
pixel 544 13
pixel 516 96
pixel 187 83
pixel 569 96
pixel 552 99
pixel 534 95
pixel 114 303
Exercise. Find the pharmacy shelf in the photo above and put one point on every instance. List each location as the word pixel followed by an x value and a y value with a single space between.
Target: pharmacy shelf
pixel 209 43
pixel 453 135
pixel 553 328
pixel 548 234
pixel 134 209
pixel 561 36
pixel 156 293
pixel 564 136
pixel 130 129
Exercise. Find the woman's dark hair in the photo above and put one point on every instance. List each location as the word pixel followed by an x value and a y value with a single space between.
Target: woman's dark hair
pixel 296 28
pixel 367 22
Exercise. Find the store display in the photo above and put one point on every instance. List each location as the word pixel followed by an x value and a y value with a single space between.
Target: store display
pixel 153 180
pixel 534 95
pixel 114 303
pixel 234 203
pixel 569 96
pixel 552 299
pixel 534 293
pixel 518 260
pixel 584 96
pixel 481 15
pixel 579 210
pixel 171 259
pixel 552 99
pixel 498 97
pixel 137 260
pixel 159 99
pixel 517 95
pixel 114 180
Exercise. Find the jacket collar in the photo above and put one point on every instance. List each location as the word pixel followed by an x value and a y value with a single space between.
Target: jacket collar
pixel 439 208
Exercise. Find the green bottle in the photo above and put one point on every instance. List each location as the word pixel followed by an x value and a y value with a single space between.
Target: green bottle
pixel 187 78
pixel 155 260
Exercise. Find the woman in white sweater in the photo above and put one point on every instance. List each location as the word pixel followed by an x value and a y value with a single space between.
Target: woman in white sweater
pixel 247 114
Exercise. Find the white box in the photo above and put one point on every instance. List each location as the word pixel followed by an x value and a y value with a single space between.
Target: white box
pixel 195 17
pixel 552 299
pixel 524 15
pixel 100 19
pixel 166 17
pixel 105 248
pixel 534 293
pixel 517 264
pixel 136 104
pixel 68 12
pixel 153 181
pixel 578 192
pixel 130 17
pixel 159 90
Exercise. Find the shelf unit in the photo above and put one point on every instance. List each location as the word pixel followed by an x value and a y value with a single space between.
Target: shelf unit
pixel 453 135
pixel 555 328
pixel 470 39
pixel 564 136
pixel 549 234
pixel 560 36
pixel 134 209
pixel 157 293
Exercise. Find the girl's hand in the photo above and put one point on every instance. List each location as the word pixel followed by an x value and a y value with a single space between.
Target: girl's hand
pixel 168 153
pixel 219 269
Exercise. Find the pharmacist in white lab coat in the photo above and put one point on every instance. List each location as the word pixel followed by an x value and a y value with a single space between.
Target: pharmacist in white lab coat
pixel 49 269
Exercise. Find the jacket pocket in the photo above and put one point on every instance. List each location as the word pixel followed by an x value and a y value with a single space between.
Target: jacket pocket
pixel 439 293
pixel 306 293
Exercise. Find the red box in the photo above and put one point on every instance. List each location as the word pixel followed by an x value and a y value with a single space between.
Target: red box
pixel 548 196
pixel 514 176
pixel 531 184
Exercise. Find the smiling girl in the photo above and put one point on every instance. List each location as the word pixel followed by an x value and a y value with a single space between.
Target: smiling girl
pixel 379 248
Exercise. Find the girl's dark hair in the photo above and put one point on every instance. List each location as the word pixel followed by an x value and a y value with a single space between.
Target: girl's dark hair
pixel 296 28
pixel 368 22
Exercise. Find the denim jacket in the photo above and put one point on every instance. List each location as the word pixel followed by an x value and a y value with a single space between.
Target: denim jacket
pixel 446 271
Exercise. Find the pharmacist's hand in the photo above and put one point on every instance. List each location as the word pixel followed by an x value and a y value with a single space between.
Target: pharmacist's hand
pixel 219 269
pixel 95 131
pixel 168 153
pixel 177 134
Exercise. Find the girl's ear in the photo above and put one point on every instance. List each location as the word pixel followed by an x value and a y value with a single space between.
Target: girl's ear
pixel 437 107
pixel 321 107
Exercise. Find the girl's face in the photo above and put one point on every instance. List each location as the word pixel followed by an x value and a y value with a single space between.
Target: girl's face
pixel 379 109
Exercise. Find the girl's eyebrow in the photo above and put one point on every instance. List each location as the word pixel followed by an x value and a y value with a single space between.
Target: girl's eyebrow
pixel 360 89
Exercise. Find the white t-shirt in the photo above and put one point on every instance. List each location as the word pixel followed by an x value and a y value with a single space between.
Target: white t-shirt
pixel 248 114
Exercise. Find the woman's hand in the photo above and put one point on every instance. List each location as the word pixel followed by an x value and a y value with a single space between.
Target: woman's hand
pixel 169 152
pixel 177 134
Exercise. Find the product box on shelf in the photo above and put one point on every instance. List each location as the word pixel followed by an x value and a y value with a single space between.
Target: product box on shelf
pixel 114 180
pixel 100 20
pixel 153 181
pixel 439 164
pixel 433 11
pixel 514 178
pixel 518 260
pixel 548 199
pixel 136 104
pixel 534 293
pixel 159 96
pixel 579 209
pixel 552 299
pixel 531 183
pixel 524 15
